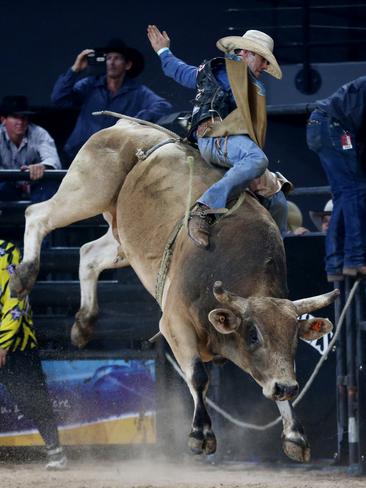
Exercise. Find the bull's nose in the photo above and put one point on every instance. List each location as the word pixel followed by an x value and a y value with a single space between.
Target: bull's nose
pixel 285 392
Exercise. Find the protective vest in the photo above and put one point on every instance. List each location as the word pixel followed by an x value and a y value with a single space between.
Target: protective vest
pixel 211 99
pixel 248 116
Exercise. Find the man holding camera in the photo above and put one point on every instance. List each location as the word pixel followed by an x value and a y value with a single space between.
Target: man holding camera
pixel 116 90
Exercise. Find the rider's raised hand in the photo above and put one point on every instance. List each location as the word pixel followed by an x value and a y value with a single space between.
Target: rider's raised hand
pixel 157 39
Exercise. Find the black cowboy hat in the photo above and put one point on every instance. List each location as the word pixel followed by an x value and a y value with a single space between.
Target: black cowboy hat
pixel 130 54
pixel 15 105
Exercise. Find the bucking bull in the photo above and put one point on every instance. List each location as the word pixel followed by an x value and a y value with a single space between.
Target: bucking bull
pixel 228 301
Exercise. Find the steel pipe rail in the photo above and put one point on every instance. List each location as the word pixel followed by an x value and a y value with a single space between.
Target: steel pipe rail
pixel 67 293
pixel 16 175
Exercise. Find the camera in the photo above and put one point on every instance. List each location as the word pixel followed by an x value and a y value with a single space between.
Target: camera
pixel 97 58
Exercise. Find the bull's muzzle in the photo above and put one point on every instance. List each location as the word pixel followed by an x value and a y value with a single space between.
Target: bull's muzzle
pixel 283 392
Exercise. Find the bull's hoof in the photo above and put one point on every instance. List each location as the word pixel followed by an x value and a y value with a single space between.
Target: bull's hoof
pixel 195 442
pixel 23 278
pixel 80 335
pixel 83 328
pixel 209 443
pixel 297 449
pixel 200 443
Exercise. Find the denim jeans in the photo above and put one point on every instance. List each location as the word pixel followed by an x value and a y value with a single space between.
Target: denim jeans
pixel 245 160
pixel 346 236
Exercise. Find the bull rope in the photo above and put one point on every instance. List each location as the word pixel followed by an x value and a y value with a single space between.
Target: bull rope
pixel 164 268
pixel 169 248
pixel 142 155
pixel 246 425
pixel 190 162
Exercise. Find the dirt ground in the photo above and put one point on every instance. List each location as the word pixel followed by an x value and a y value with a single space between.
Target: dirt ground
pixel 158 474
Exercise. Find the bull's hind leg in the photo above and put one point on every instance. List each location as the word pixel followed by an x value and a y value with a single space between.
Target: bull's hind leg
pixel 96 256
pixel 183 342
pixel 294 441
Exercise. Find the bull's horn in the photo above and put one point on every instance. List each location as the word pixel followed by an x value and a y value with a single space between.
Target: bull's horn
pixel 307 305
pixel 224 296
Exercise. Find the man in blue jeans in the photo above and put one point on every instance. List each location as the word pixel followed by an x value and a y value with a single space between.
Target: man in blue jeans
pixel 336 131
pixel 228 120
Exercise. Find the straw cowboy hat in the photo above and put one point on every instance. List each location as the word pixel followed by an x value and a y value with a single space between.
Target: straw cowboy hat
pixel 294 216
pixel 317 217
pixel 256 41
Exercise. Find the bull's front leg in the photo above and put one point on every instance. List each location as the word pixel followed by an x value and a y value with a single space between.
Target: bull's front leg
pixel 294 441
pixel 201 438
pixel 183 343
pixel 96 256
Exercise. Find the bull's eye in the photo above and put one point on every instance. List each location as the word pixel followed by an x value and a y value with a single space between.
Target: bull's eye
pixel 252 336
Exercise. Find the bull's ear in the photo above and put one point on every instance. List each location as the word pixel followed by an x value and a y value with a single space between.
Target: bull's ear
pixel 225 321
pixel 314 328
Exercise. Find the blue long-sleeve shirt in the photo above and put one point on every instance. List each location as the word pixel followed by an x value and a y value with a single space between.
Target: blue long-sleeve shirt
pixel 186 74
pixel 348 106
pixel 90 94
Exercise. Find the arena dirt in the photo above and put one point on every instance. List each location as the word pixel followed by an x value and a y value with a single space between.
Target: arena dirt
pixel 147 474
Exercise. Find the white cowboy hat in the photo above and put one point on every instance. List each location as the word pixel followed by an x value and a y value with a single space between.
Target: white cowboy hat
pixel 317 217
pixel 256 41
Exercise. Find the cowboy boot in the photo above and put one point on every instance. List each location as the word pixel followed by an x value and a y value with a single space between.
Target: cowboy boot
pixel 200 219
pixel 199 226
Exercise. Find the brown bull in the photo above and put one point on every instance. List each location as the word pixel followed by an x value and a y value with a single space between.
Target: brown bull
pixel 252 324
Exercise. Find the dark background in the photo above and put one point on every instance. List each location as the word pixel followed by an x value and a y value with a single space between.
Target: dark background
pixel 40 40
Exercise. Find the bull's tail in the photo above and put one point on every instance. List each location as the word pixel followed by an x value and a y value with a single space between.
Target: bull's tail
pixel 139 121
pixel 155 337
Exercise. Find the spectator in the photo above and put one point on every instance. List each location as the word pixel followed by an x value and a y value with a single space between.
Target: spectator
pixel 27 147
pixel 295 220
pixel 20 366
pixel 321 220
pixel 228 122
pixel 117 91
pixel 336 132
